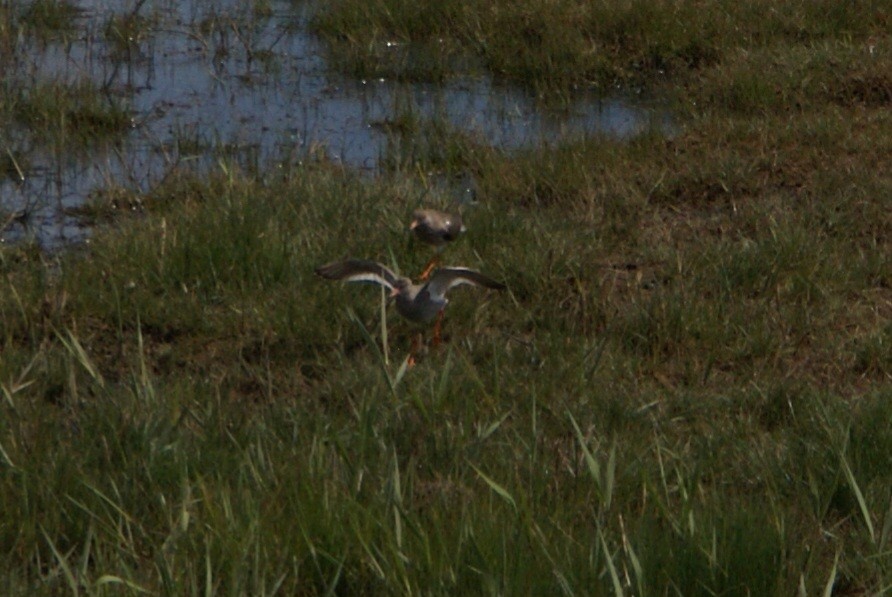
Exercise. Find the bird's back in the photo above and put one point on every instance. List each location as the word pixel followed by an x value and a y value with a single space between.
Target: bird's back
pixel 436 228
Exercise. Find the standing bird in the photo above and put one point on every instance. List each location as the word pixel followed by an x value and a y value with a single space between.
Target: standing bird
pixel 437 229
pixel 419 303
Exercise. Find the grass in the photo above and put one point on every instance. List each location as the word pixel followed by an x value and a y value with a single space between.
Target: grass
pixel 49 19
pixel 685 389
pixel 68 114
pixel 125 32
pixel 558 45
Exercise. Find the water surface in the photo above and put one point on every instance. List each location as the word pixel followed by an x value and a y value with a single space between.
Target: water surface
pixel 202 75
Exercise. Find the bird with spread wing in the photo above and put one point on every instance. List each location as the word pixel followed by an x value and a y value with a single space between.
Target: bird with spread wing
pixel 420 303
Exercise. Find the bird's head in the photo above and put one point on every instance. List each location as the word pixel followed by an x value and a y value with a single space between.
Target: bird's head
pixel 419 217
pixel 400 286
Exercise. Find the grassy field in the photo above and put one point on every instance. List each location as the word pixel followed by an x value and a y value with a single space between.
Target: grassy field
pixel 685 390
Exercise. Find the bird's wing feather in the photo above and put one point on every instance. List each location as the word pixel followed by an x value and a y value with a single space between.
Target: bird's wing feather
pixel 358 270
pixel 447 278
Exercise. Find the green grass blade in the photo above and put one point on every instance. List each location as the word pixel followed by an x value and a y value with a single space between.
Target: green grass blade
pixel 401 372
pixel 384 340
pixel 73 345
pixel 637 570
pixel 63 564
pixel 862 503
pixel 611 569
pixel 110 579
pixel 884 532
pixel 501 491
pixel 610 476
pixel 378 354
pixel 336 578
pixel 594 468
pixel 831 580
pixel 208 574
pixel 492 427
pixel 6 459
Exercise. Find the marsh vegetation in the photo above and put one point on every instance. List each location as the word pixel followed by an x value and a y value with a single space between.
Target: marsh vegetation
pixel 686 388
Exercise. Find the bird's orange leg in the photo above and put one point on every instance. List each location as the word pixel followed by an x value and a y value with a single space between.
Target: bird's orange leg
pixel 435 260
pixel 413 349
pixel 437 326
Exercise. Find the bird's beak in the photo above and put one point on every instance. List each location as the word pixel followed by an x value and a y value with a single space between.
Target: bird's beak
pixel 394 292
pixel 413 225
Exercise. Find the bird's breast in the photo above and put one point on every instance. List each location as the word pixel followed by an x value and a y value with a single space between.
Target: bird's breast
pixel 421 307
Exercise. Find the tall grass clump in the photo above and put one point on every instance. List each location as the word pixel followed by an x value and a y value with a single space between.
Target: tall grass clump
pixel 558 45
pixel 125 32
pixel 48 19
pixel 79 113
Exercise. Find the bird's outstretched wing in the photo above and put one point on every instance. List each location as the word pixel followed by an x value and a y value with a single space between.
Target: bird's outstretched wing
pixel 358 270
pixel 446 278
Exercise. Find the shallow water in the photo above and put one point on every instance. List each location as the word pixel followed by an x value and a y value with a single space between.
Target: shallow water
pixel 206 75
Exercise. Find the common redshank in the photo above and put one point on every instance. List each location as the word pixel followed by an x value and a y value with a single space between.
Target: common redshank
pixel 435 228
pixel 419 303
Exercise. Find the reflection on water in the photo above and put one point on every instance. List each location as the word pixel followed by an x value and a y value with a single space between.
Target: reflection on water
pixel 204 73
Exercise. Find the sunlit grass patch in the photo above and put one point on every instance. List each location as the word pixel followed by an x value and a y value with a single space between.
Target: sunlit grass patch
pixel 799 78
